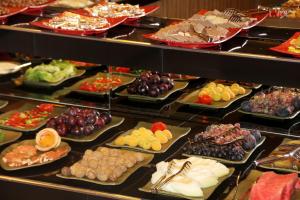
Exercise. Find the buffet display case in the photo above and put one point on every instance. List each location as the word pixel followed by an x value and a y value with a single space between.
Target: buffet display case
pixel 244 58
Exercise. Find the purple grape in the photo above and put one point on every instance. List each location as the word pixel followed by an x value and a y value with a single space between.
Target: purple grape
pixel 142 89
pixel 296 102
pixel 165 79
pixel 155 79
pixel 88 129
pixel 71 111
pixel 163 88
pixel 75 131
pixel 72 121
pixel 51 123
pixel 246 106
pixel 62 129
pixel 80 121
pixel 60 120
pixel 154 92
pixel 106 116
pixel 81 130
pixel 144 78
pixel 91 119
pixel 100 122
pixel 170 85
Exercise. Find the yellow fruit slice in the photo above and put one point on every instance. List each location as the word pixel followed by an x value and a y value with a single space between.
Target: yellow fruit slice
pixel 232 95
pixel 212 85
pixel 146 144
pixel 219 89
pixel 156 146
pixel 217 97
pixel 133 142
pixel 235 85
pixel 127 138
pixel 120 141
pixel 221 86
pixel 168 134
pixel 235 90
pixel 161 137
pixel 225 96
pixel 135 133
pixel 242 90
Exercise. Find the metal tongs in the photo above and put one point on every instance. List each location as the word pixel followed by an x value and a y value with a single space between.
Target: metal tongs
pixel 293 154
pixel 163 180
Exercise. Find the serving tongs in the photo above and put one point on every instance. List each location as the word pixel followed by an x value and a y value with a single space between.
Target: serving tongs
pixel 295 154
pixel 184 169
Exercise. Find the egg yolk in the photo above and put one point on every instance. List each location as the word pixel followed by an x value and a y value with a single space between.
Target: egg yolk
pixel 47 140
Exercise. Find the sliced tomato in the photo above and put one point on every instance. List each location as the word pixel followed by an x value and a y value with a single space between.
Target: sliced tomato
pixel 158 126
pixel 46 107
pixel 205 99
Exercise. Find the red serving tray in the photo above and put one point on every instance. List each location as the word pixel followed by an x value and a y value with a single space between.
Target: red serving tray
pixel 148 10
pixel 260 17
pixel 12 11
pixel 232 32
pixel 112 23
pixel 283 48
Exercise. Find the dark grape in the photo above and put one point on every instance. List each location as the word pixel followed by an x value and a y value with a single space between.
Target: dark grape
pixel 163 88
pixel 60 120
pixel 88 129
pixel 51 123
pixel 153 92
pixel 165 79
pixel 256 134
pixel 100 122
pixel 296 102
pixel 142 89
pixel 106 116
pixel 91 119
pixel 155 79
pixel 75 131
pixel 249 142
pixel 62 129
pixel 284 112
pixel 170 85
pixel 246 106
pixel 71 121
pixel 80 121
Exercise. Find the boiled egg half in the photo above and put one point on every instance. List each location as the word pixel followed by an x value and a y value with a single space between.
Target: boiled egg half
pixel 47 139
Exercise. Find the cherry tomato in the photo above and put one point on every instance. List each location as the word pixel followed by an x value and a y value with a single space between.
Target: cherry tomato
pixel 46 107
pixel 205 99
pixel 158 126
pixel 123 69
